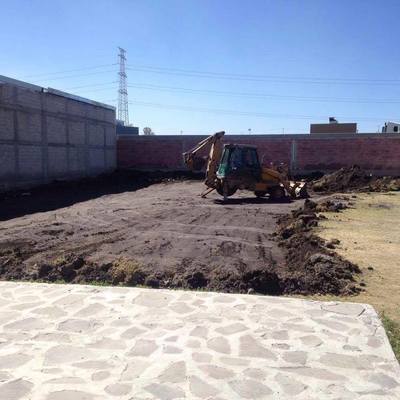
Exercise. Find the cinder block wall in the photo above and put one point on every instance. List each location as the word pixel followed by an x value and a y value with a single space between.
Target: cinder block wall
pixel 376 153
pixel 45 137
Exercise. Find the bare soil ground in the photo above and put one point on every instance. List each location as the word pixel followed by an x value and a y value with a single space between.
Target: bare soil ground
pixel 164 235
pixel 155 230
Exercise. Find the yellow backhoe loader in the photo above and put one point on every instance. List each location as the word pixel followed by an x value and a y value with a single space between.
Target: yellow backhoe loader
pixel 234 166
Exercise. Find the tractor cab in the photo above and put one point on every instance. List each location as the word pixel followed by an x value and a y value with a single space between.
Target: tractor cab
pixel 240 163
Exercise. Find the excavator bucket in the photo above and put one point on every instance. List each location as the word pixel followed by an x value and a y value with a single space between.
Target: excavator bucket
pixel 298 190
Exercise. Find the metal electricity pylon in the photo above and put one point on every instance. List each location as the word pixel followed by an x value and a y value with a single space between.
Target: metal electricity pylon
pixel 123 89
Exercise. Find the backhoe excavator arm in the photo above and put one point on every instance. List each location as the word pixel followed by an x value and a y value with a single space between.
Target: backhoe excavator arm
pixel 195 162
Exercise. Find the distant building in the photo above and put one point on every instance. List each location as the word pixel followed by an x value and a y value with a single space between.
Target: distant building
pixel 333 127
pixel 126 130
pixel 391 127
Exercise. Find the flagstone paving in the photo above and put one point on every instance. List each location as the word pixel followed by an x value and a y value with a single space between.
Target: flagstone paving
pixel 72 342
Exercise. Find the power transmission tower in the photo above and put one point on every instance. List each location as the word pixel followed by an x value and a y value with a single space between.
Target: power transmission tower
pixel 123 89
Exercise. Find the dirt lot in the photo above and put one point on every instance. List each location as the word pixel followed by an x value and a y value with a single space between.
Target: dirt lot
pixel 162 235
pixel 155 230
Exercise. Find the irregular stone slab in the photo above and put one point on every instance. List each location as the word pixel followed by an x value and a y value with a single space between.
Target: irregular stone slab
pixel 344 308
pixel 94 364
pixel 295 357
pixel 199 331
pixel 26 324
pixel 219 344
pixel 63 354
pixel 67 380
pixel 250 389
pixel 200 388
pixel 201 357
pixel 5 376
pixel 255 373
pixel 100 375
pixel 79 325
pixel 384 381
pixel 15 390
pixel 289 385
pixel 174 373
pixel 108 343
pixel 344 361
pixel 153 299
pixel 231 329
pixel 235 361
pixel 280 335
pixel 14 360
pixel 317 373
pixel 134 369
pixel 181 308
pixel 53 337
pixel 118 389
pixel 143 348
pixel 250 347
pixel 223 299
pixel 132 332
pixel 172 350
pixel 164 392
pixel 70 299
pixel 91 309
pixel 311 340
pixel 217 372
pixel 193 344
pixel 336 326
pixel 71 395
pixel 51 311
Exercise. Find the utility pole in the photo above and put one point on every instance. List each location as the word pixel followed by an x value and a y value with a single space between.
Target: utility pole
pixel 123 89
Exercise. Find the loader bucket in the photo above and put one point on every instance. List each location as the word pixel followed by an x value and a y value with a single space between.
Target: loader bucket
pixel 298 190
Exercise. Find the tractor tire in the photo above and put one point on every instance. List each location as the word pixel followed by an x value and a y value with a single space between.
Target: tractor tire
pixel 230 191
pixel 277 193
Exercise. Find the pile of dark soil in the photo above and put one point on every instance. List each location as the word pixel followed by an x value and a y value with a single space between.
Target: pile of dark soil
pixel 354 179
pixel 312 267
pixel 72 268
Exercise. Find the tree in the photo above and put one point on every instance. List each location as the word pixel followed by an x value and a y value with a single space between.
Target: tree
pixel 147 131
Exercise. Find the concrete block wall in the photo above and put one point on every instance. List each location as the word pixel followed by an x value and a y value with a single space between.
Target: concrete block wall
pixel 45 136
pixel 376 153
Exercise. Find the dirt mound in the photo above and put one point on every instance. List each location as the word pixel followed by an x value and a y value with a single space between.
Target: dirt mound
pixel 344 179
pixel 311 265
pixel 354 179
pixel 384 184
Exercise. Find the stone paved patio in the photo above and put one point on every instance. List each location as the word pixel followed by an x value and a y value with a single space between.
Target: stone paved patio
pixel 84 342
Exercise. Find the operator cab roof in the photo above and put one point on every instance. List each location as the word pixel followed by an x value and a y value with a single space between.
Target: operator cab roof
pixel 243 146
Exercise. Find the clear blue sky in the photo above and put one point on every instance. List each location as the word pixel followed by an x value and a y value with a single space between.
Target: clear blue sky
pixel 283 64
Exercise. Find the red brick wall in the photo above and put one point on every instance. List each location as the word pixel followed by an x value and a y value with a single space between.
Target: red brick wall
pixel 377 153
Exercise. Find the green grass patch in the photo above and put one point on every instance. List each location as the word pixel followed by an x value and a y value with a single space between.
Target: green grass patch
pixel 393 332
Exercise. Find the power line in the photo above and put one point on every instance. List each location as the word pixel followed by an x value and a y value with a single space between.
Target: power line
pixel 74 76
pixel 68 71
pixel 261 78
pixel 91 85
pixel 250 113
pixel 261 95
